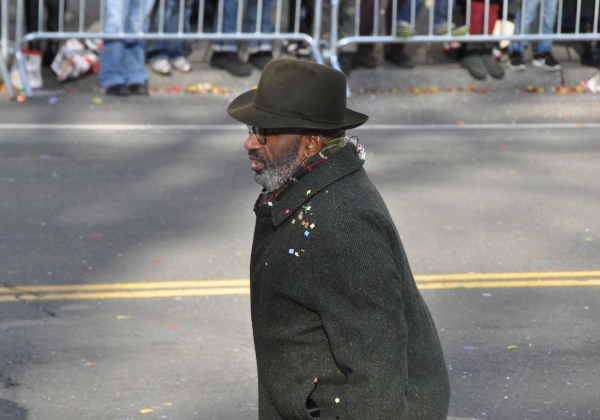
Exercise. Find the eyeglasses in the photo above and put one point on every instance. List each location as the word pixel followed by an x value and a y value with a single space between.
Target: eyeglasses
pixel 260 133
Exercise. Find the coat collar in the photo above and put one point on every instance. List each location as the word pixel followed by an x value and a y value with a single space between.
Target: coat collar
pixel 341 164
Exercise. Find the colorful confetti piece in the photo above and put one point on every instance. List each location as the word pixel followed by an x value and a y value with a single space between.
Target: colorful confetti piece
pixel 198 89
pixel 513 347
pixel 306 233
pixel 123 316
pixel 291 251
pixel 146 410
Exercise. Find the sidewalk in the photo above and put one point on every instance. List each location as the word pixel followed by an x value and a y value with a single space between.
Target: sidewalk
pixel 432 69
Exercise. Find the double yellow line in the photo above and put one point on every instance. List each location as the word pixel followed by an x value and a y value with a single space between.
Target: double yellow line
pixel 242 287
pixel 126 290
pixel 508 280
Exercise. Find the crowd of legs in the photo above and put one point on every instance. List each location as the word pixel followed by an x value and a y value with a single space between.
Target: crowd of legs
pixel 123 62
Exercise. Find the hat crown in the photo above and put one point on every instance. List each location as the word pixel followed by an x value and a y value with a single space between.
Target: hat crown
pixel 303 90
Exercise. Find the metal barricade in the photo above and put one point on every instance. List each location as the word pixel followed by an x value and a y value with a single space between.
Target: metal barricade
pixel 577 34
pixel 4 74
pixel 181 34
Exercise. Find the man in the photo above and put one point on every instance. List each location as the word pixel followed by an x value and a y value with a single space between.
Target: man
pixel 542 50
pixel 123 72
pixel 340 329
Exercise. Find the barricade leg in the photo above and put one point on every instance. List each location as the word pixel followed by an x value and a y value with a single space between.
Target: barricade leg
pixel 4 76
pixel 18 47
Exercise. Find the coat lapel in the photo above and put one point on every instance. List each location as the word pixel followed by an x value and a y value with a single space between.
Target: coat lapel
pixel 336 167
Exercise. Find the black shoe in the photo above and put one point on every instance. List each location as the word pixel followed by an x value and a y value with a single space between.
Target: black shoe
pixel 515 62
pixel 475 65
pixel 138 89
pixel 591 58
pixel 364 58
pixel 546 61
pixel 493 66
pixel 231 62
pixel 117 90
pixel 398 57
pixel 260 59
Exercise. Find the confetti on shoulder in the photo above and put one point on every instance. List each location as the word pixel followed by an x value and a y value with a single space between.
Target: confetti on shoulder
pixel 306 233
pixel 312 226
pixel 308 192
pixel 291 251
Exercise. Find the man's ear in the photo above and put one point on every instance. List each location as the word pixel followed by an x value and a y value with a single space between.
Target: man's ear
pixel 314 145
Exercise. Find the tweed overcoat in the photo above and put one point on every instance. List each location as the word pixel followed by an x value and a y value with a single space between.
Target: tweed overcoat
pixel 336 315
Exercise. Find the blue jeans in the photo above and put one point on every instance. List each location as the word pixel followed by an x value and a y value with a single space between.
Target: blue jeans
pixel 440 11
pixel 230 9
pixel 168 49
pixel 547 26
pixel 122 62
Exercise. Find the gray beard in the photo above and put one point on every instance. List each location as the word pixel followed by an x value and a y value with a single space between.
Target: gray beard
pixel 280 170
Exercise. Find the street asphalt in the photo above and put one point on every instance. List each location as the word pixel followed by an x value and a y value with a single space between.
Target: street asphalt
pixel 99 192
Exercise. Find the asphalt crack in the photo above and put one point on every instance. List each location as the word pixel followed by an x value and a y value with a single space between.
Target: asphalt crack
pixel 19 296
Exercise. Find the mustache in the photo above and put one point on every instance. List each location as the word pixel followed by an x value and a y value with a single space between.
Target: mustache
pixel 258 156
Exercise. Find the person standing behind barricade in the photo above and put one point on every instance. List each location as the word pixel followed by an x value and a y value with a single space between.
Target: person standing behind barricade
pixel 478 58
pixel 591 51
pixel 300 48
pixel 167 55
pixel 404 29
pixel 52 20
pixel 542 51
pixel 363 56
pixel 122 69
pixel 225 53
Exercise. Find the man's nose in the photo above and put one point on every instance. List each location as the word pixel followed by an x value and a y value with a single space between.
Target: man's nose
pixel 251 143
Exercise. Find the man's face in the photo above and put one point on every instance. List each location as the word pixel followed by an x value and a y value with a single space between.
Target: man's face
pixel 275 161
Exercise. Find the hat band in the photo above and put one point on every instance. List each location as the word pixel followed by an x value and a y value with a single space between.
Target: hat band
pixel 288 113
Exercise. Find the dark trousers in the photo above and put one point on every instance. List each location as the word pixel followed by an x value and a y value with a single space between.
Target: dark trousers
pixel 367 15
pixel 306 19
pixel 51 21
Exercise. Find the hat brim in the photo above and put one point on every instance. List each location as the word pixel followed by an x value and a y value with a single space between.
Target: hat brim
pixel 243 110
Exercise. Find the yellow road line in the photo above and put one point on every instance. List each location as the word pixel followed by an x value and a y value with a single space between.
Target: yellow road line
pixel 126 286
pixel 129 295
pixel 245 282
pixel 507 284
pixel 242 286
pixel 493 276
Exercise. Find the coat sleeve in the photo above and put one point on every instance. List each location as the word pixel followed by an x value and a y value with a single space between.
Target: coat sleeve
pixel 358 290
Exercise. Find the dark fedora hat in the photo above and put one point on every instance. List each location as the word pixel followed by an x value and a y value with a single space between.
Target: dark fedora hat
pixel 297 94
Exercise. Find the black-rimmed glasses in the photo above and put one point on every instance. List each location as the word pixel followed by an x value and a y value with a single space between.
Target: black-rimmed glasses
pixel 260 133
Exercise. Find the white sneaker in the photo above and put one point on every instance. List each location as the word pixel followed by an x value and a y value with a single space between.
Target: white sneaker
pixel 181 64
pixel 161 66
